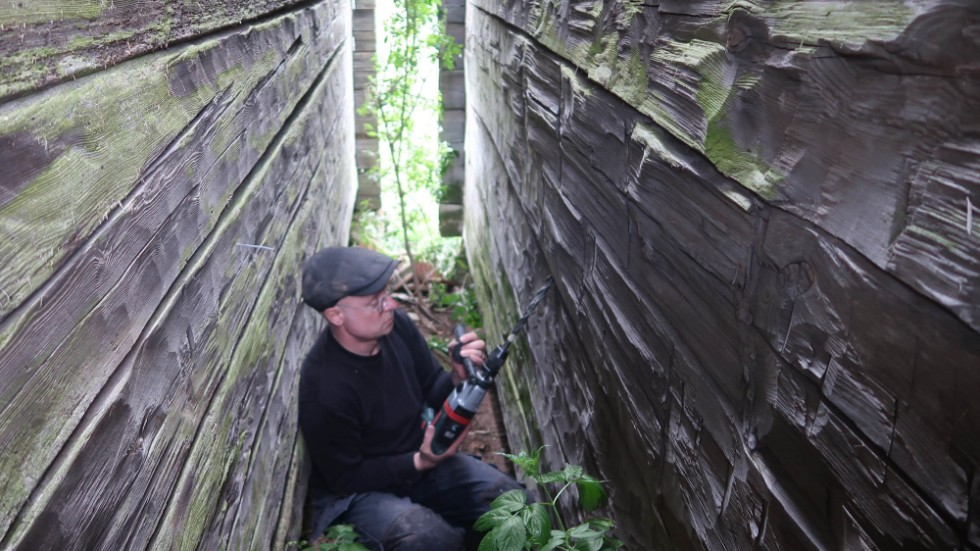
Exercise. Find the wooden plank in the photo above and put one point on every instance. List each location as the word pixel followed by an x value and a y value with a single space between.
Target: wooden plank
pixel 820 398
pixel 215 360
pixel 942 229
pixel 885 503
pixel 43 42
pixel 104 135
pixel 756 90
pixel 233 498
pixel 107 292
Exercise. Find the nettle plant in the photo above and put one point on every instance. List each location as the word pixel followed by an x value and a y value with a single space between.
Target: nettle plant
pixel 339 537
pixel 514 524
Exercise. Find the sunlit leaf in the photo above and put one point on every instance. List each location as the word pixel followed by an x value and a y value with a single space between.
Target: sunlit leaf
pixel 509 536
pixel 556 540
pixel 512 534
pixel 512 501
pixel 572 472
pixel 583 531
pixel 491 519
pixel 527 462
pixel 489 542
pixel 538 523
pixel 547 478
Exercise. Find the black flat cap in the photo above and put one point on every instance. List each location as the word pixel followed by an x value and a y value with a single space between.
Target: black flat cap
pixel 337 272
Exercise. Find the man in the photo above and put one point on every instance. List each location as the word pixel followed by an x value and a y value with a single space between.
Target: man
pixel 363 388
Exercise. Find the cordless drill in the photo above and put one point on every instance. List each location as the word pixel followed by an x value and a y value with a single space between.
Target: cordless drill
pixel 463 402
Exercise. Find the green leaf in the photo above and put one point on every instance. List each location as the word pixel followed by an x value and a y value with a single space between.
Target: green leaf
pixel 489 542
pixel 591 544
pixel 538 523
pixel 590 493
pixel 584 532
pixel 512 501
pixel 491 519
pixel 572 472
pixel 601 524
pixel 513 535
pixel 583 538
pixel 557 539
pixel 509 536
pixel 527 462
pixel 547 478
pixel 611 543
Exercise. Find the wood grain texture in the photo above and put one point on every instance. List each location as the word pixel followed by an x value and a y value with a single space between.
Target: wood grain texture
pixel 163 339
pixel 750 361
pixel 43 42
pixel 797 101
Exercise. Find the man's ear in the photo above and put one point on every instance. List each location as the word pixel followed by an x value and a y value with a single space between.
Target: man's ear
pixel 334 315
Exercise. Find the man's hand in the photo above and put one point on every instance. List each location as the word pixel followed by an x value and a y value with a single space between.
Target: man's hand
pixel 472 347
pixel 426 459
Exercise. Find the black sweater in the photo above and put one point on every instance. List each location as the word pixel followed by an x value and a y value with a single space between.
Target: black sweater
pixel 361 415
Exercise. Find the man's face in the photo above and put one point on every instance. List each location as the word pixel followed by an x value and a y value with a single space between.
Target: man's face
pixel 369 317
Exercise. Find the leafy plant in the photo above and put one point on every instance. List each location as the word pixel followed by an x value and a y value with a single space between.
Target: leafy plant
pixel 515 525
pixel 436 342
pixel 339 537
pixel 412 159
pixel 462 302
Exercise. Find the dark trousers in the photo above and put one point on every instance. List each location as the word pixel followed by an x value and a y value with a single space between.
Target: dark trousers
pixel 438 514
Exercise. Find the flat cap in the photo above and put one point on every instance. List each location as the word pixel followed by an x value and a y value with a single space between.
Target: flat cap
pixel 337 272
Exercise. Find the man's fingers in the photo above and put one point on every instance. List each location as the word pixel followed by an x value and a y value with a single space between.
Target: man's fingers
pixel 459 441
pixel 473 354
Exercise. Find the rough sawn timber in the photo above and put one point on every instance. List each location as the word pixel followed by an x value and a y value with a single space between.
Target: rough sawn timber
pixel 154 215
pixel 43 42
pixel 762 222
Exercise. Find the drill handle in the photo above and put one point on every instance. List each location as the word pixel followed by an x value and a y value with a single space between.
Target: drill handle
pixel 458 333
pixel 495 360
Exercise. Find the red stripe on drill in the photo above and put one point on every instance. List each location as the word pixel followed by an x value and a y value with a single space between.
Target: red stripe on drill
pixel 455 416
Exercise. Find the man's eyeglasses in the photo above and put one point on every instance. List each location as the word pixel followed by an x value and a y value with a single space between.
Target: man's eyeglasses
pixel 379 308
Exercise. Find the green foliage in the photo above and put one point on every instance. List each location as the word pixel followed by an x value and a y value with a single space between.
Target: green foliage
pixel 340 537
pixel 462 302
pixel 514 525
pixel 412 159
pixel 435 342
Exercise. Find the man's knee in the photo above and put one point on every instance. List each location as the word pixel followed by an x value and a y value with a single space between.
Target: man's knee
pixel 420 529
pixel 499 485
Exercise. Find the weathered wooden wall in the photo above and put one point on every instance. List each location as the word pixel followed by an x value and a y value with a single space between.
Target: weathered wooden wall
pixel 762 219
pixel 156 200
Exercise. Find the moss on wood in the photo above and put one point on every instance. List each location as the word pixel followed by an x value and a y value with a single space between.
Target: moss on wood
pixel 81 36
pixel 739 163
pixel 839 23
pixel 211 459
pixel 149 115
pixel 26 12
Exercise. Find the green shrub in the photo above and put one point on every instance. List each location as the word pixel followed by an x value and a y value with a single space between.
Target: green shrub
pixel 339 537
pixel 516 525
